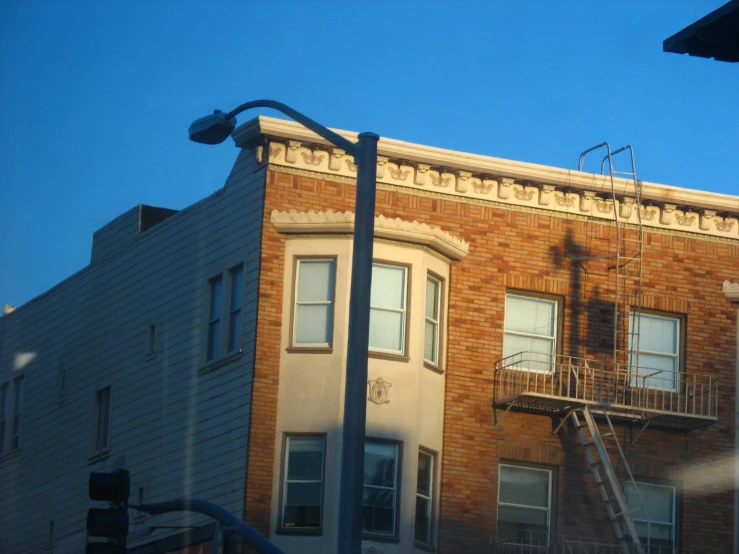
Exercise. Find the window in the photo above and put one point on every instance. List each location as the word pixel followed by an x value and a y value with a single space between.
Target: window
pixel 215 293
pixel 223 340
pixel 3 415
pixel 380 488
pixel 388 309
pixel 424 497
pixel 15 437
pixel 655 359
pixel 101 421
pixel 433 311
pixel 524 502
pixel 302 492
pixel 659 502
pixel 236 278
pixel 530 327
pixel 313 314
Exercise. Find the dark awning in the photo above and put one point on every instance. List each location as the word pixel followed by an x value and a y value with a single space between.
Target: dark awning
pixel 714 36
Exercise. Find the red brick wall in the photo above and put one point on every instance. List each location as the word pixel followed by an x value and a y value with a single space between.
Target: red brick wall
pixel 530 251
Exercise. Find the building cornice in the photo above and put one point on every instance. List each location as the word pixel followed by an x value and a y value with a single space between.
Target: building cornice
pixel 330 222
pixel 288 144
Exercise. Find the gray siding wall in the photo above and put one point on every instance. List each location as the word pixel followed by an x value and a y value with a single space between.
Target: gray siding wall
pixel 183 430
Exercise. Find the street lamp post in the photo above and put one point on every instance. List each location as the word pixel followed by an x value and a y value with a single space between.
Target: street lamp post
pixel 214 129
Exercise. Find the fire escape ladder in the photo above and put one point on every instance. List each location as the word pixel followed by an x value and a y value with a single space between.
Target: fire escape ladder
pixel 615 502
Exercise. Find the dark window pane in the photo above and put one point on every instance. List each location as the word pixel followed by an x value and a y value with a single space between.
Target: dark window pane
pixel 234 331
pixel 423 519
pixel 425 466
pixel 303 494
pixel 237 287
pixel 214 332
pixel 215 298
pixel 302 516
pixel 305 465
pixel 379 464
pixel 378 511
pixel 528 487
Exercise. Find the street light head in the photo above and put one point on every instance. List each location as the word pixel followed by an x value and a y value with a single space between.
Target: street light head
pixel 212 129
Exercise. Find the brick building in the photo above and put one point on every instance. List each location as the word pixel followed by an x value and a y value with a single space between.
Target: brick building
pixel 223 330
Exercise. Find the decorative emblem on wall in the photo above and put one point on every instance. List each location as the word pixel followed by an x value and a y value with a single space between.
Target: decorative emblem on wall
pixel 725 225
pixel 399 173
pixel 439 181
pixel 566 200
pixel 523 194
pixel 647 214
pixel 604 206
pixel 686 219
pixel 379 391
pixel 483 187
pixel 351 165
pixel 274 151
pixel 312 158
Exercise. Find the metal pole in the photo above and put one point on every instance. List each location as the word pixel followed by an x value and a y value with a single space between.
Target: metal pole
pixel 349 539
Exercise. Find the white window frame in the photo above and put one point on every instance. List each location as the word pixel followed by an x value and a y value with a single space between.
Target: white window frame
pixel 296 303
pixel 640 381
pixel 394 488
pixel 548 509
pixel 403 311
pixel 428 498
pixel 16 430
pixel 223 314
pixel 101 421
pixel 637 519
pixel 546 366
pixel 434 320
pixel 286 480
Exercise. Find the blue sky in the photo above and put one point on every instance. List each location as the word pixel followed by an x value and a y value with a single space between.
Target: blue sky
pixel 96 97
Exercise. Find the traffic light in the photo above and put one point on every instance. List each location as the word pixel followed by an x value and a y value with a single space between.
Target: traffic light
pixel 109 523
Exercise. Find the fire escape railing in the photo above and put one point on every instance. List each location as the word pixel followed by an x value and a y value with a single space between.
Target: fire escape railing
pixel 594 382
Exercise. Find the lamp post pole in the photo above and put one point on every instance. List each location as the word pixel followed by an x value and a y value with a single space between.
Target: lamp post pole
pixel 214 129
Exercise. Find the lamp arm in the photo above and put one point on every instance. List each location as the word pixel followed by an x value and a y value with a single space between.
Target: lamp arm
pixel 317 128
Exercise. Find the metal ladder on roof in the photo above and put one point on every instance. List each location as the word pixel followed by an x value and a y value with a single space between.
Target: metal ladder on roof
pixel 624 201
pixel 617 507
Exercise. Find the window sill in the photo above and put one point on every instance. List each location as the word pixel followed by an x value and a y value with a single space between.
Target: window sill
pixel 380 538
pixel 433 368
pixel 424 547
pixel 98 457
pixel 11 454
pixel 299 531
pixel 386 356
pixel 216 364
pixel 309 350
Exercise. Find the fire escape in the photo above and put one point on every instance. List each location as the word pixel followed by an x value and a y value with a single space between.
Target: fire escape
pixel 586 391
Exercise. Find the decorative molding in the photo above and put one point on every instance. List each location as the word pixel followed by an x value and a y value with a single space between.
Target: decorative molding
pixel 311 158
pixel 294 222
pixel 731 290
pixel 484 186
pixel 576 197
pixel 379 391
pixel 422 171
pixel 334 161
pixel 291 155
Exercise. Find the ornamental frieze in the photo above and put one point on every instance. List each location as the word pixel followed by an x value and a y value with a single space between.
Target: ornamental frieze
pixel 583 196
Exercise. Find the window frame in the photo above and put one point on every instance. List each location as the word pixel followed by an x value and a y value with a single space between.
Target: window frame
pixel 431 499
pixel 558 303
pixel 97 450
pixel 224 317
pixel 4 416
pixel 440 304
pixel 675 512
pixel 395 536
pixel 551 493
pixel 280 528
pixel 680 319
pixel 16 422
pixel 311 348
pixel 402 355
